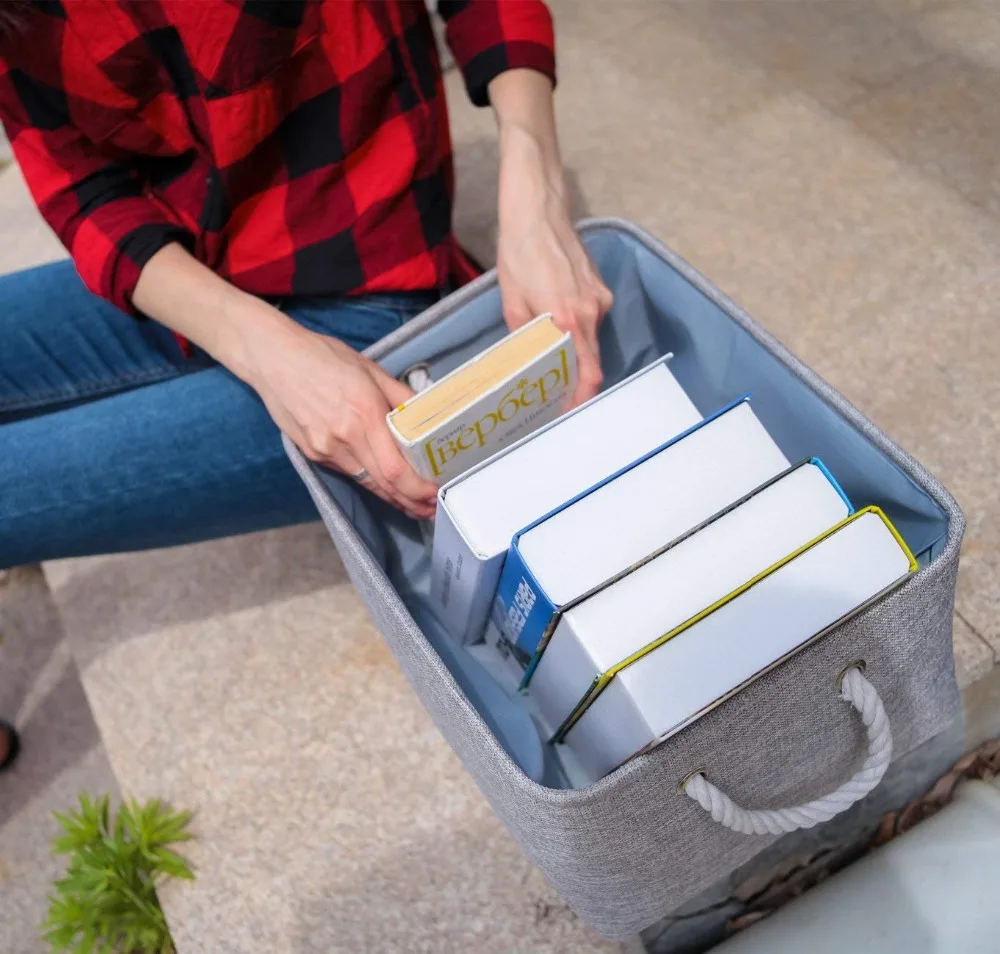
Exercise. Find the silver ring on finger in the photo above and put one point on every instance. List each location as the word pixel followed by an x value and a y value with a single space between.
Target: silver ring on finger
pixel 361 476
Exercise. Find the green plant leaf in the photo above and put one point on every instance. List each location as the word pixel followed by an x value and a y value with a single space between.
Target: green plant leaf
pixel 145 817
pixel 130 940
pixel 61 937
pixel 86 945
pixel 171 827
pixel 106 900
pixel 172 864
pixel 104 806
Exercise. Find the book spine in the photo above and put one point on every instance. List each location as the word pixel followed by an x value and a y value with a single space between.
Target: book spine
pixel 521 611
pixel 415 457
pixel 462 584
pixel 511 667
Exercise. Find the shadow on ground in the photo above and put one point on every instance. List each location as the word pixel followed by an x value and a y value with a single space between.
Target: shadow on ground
pixel 40 691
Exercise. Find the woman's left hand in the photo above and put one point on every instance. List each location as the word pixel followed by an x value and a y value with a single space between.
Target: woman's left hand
pixel 541 262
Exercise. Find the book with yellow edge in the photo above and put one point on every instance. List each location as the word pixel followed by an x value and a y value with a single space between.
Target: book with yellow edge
pixel 593 634
pixel 502 394
pixel 678 677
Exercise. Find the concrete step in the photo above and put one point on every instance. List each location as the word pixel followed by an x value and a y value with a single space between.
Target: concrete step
pixel 242 678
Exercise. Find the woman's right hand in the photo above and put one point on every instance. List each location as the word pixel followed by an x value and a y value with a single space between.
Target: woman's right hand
pixel 332 402
pixel 326 397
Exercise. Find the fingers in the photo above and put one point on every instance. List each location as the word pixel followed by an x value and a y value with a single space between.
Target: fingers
pixel 365 444
pixel 581 318
pixel 544 267
pixel 376 451
pixel 376 481
pixel 341 459
pixel 395 391
pixel 517 312
pixel 591 376
pixel 588 367
pixel 605 299
pixel 419 495
pixel 373 445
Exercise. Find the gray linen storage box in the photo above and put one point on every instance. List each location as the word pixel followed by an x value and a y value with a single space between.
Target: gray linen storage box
pixel 632 848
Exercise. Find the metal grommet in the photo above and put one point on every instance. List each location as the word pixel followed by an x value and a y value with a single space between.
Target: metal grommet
pixel 417 376
pixel 856 664
pixel 687 778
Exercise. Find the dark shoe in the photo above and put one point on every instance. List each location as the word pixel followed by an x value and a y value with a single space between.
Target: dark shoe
pixel 9 744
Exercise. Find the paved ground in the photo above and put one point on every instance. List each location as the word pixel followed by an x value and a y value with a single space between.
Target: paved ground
pixel 833 166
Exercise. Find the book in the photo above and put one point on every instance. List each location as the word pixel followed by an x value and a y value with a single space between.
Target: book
pixel 480 511
pixel 516 385
pixel 596 632
pixel 621 520
pixel 687 671
pixel 418 377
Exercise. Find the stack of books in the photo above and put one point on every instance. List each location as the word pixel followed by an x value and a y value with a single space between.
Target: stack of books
pixel 480 511
pixel 633 564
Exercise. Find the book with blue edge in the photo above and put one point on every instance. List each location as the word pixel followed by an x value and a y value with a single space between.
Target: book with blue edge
pixel 621 520
pixel 480 511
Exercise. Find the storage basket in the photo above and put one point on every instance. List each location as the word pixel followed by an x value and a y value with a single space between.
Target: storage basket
pixel 632 847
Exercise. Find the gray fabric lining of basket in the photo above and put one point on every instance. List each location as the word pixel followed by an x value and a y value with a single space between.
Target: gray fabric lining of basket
pixel 657 310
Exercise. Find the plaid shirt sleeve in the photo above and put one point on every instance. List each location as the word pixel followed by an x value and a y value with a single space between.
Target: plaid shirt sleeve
pixel 489 37
pixel 95 206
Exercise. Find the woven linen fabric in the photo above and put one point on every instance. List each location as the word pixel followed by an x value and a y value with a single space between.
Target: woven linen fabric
pixel 631 848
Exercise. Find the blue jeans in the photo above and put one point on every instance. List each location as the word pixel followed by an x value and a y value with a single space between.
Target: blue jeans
pixel 112 440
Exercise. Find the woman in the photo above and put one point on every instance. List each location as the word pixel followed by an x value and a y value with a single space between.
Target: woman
pixel 251 194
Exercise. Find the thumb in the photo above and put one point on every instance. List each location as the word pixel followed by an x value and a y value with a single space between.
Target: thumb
pixel 395 392
pixel 516 311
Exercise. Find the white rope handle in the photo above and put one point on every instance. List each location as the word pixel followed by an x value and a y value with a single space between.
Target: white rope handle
pixel 861 694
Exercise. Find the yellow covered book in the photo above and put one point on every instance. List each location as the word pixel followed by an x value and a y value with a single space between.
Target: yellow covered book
pixel 500 396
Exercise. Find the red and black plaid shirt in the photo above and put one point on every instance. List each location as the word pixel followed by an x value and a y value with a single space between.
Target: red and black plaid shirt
pixel 294 146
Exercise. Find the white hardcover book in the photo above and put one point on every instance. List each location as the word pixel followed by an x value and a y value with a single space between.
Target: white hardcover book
pixel 599 632
pixel 505 392
pixel 688 671
pixel 480 511
pixel 609 529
